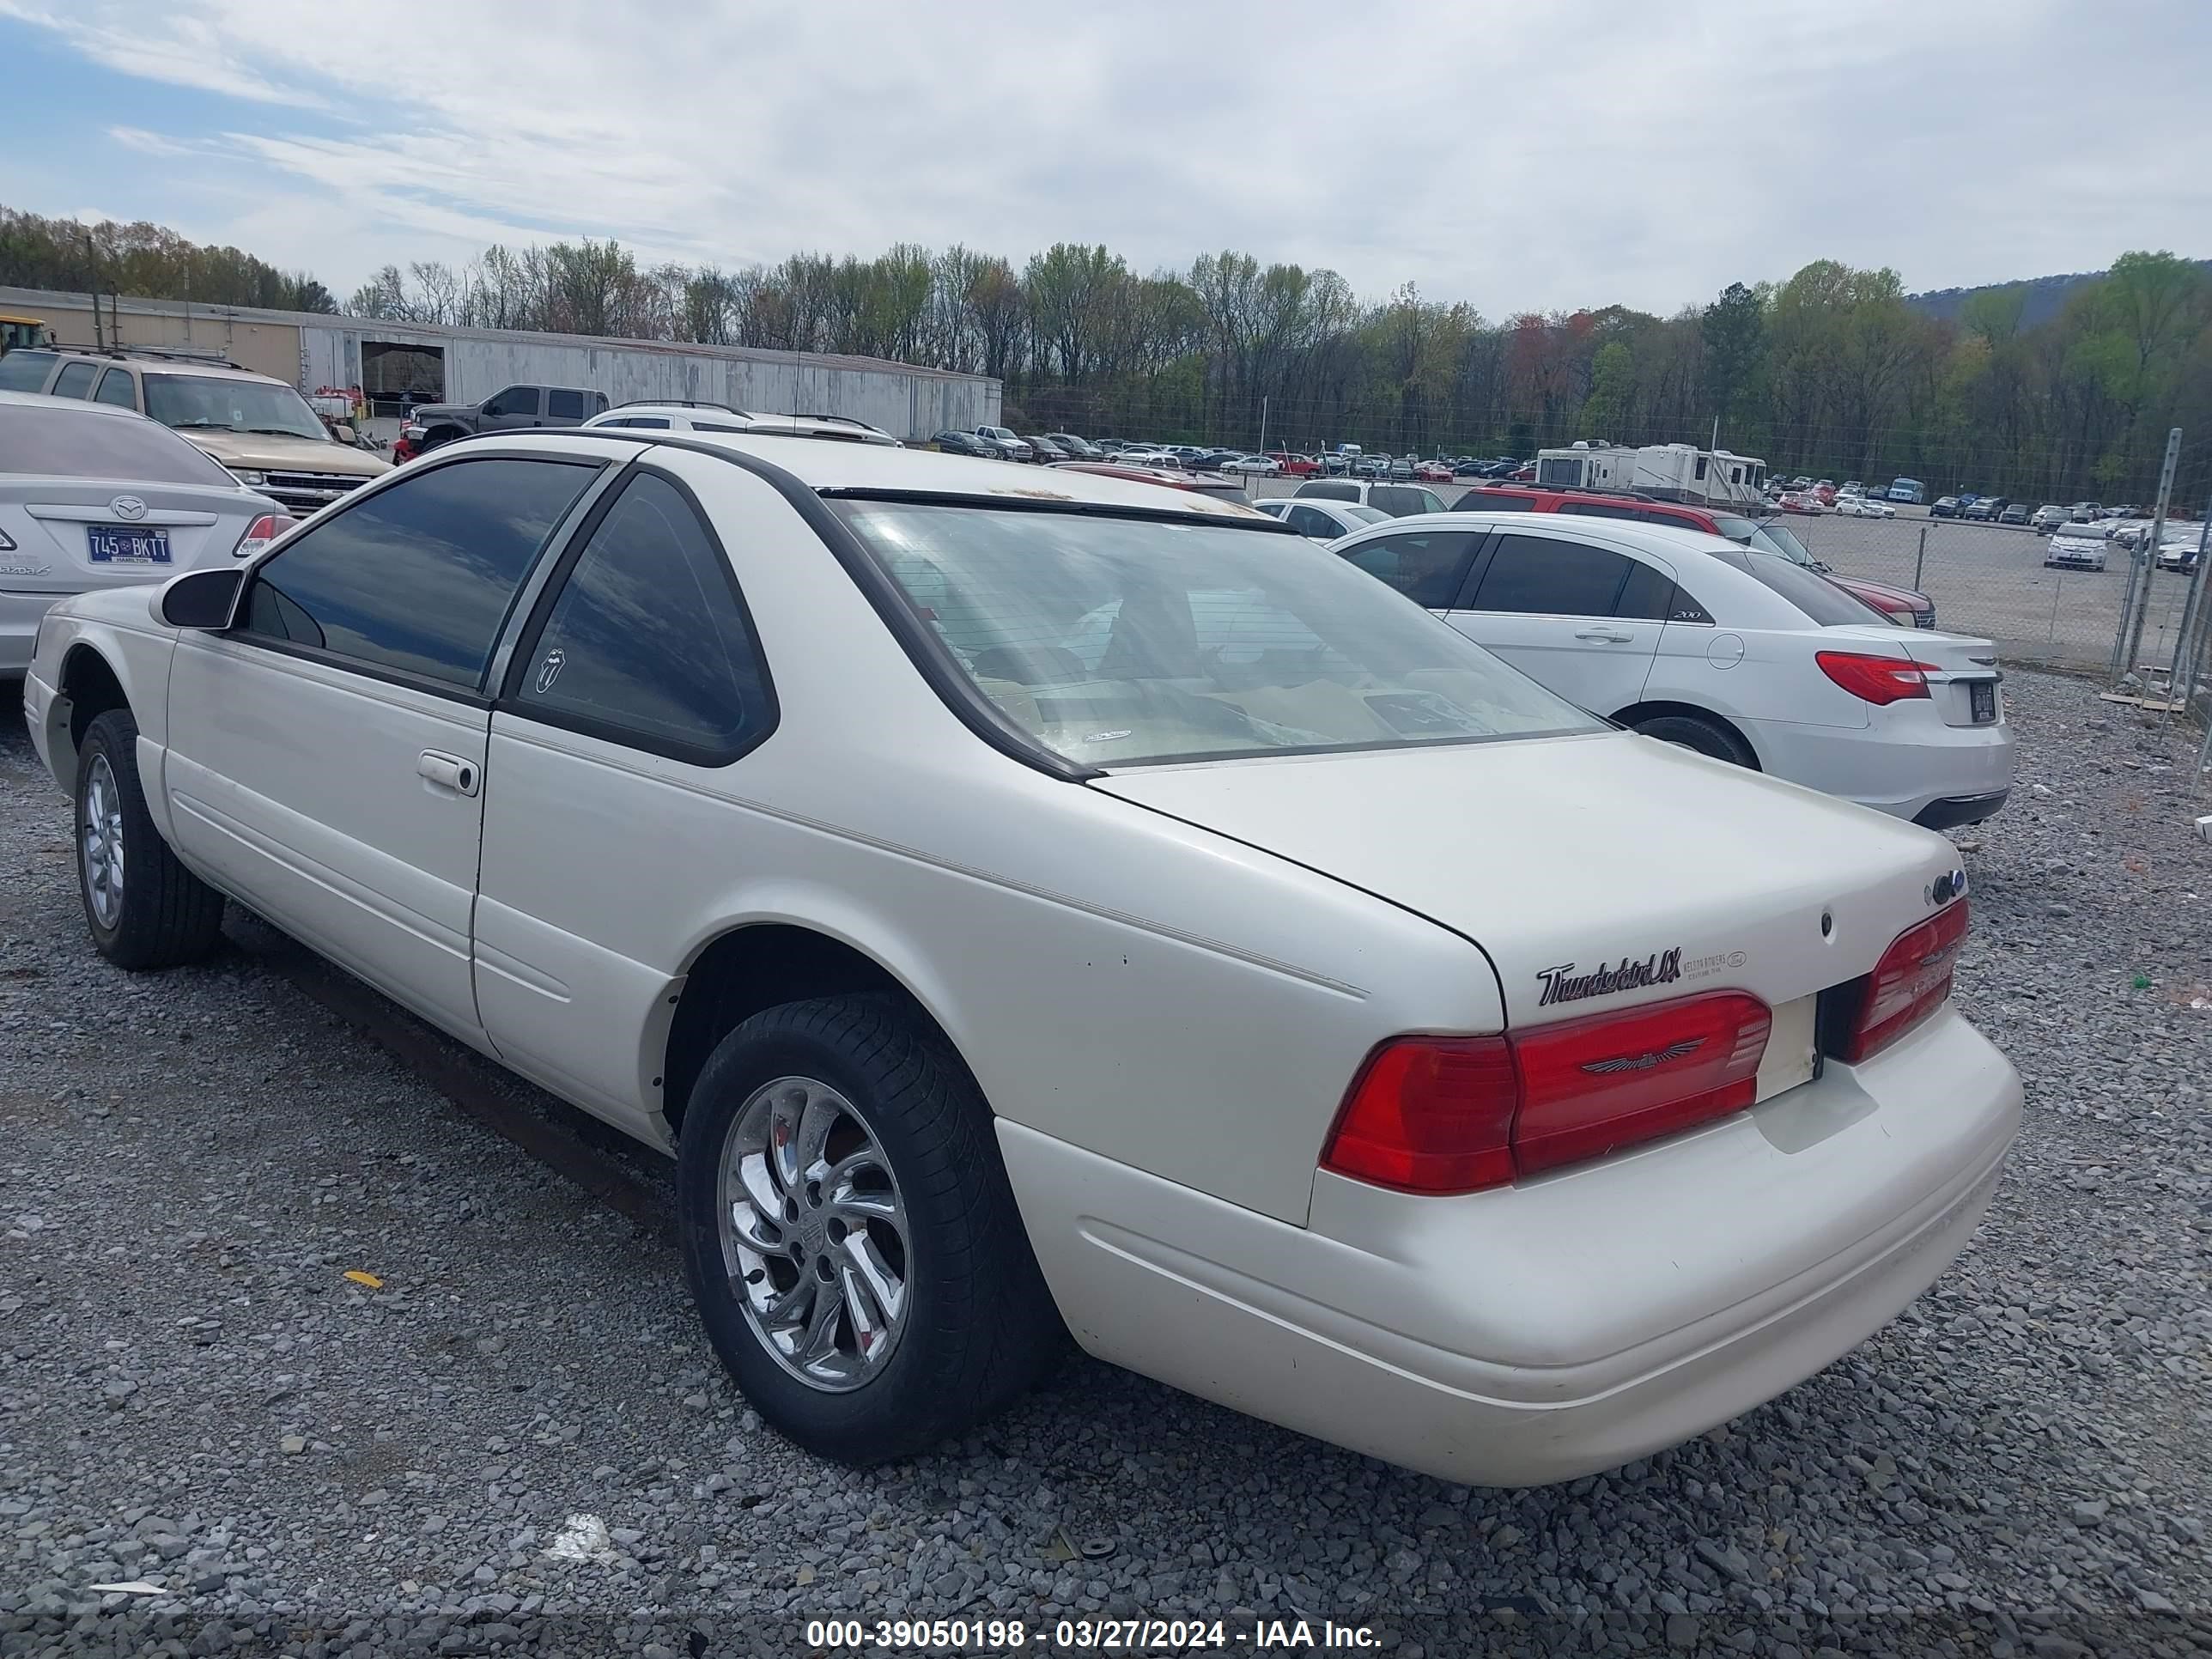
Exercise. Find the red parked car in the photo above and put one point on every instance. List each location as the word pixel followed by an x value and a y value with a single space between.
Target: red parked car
pixel 1294 466
pixel 1432 472
pixel 1902 606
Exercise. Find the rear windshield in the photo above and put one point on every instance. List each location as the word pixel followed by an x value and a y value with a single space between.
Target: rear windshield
pixel 1364 514
pixel 25 371
pixel 1331 492
pixel 1119 642
pixel 65 443
pixel 1827 604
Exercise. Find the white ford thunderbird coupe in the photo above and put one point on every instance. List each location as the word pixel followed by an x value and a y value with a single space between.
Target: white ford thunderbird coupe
pixel 1031 905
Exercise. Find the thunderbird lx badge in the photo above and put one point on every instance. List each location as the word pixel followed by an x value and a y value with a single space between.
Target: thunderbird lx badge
pixel 1563 984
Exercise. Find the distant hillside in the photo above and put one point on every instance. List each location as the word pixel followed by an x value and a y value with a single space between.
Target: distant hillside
pixel 2046 296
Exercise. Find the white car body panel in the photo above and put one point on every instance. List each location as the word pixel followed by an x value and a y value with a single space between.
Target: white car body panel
pixel 1726 897
pixel 295 785
pixel 1579 1345
pixel 1164 979
pixel 1753 666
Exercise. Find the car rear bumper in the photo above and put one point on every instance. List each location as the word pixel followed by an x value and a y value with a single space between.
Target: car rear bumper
pixel 1957 810
pixel 1556 1328
pixel 1903 762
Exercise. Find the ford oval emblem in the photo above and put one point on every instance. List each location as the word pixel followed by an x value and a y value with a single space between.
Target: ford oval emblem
pixel 127 506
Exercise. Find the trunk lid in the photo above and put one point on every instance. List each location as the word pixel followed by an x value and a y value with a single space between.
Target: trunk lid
pixel 1660 872
pixel 50 521
pixel 1965 670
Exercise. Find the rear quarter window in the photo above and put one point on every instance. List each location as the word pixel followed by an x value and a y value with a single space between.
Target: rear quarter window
pixel 1827 604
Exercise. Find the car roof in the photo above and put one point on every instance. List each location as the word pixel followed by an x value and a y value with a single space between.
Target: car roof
pixel 39 400
pixel 810 426
pixel 1663 541
pixel 127 358
pixel 892 470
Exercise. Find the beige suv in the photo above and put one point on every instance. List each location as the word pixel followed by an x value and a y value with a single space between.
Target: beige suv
pixel 259 427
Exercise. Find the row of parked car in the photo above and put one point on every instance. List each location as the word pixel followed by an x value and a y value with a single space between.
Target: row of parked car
pixel 537 735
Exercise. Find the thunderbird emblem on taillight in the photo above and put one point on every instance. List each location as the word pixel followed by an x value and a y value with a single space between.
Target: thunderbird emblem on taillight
pixel 1646 1062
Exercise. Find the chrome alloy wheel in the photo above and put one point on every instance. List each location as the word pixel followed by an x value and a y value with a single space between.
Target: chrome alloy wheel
pixel 814 1233
pixel 101 848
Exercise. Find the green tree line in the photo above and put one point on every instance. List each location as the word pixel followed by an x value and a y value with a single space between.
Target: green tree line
pixel 1833 371
pixel 146 260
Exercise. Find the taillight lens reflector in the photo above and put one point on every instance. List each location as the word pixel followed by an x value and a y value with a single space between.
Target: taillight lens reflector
pixel 1454 1114
pixel 1874 679
pixel 262 532
pixel 1591 1086
pixel 1909 983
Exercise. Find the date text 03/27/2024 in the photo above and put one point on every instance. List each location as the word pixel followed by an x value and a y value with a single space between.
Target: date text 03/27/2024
pixel 1086 1635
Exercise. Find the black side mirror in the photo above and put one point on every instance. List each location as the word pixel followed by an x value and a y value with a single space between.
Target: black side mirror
pixel 201 599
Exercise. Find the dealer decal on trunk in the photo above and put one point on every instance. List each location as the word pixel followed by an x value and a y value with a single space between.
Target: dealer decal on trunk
pixel 1563 984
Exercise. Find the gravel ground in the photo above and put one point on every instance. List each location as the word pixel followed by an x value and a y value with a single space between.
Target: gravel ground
pixel 195 1394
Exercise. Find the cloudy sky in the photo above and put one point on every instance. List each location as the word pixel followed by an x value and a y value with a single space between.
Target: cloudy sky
pixel 1570 153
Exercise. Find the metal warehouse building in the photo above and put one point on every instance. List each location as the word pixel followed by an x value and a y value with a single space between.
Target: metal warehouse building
pixel 389 361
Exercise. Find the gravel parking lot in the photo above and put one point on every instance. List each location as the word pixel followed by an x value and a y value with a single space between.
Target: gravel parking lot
pixel 503 1432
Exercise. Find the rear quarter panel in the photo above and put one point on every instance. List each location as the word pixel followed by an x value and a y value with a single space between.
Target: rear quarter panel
pixel 1114 978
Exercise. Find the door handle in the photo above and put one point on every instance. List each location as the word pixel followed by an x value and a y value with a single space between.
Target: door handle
pixel 450 772
pixel 1605 636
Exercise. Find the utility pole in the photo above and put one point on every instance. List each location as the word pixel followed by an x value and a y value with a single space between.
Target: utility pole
pixel 1263 425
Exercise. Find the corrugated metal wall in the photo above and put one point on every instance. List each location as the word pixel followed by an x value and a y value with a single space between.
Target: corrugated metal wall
pixel 313 352
pixel 905 404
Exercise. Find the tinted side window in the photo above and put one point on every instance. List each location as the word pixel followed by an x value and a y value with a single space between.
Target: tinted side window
pixel 564 405
pixel 418 577
pixel 1820 599
pixel 1330 492
pixel 1602 510
pixel 25 371
pixel 647 641
pixel 1551 578
pixel 515 400
pixel 1427 569
pixel 1647 596
pixel 1477 500
pixel 1312 521
pixel 115 388
pixel 74 380
pixel 1402 500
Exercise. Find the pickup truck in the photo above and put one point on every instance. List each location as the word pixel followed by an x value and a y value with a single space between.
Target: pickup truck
pixel 1016 448
pixel 512 408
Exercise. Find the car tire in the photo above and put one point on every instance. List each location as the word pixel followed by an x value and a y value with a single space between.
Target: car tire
pixel 145 909
pixel 1705 736
pixel 971 1325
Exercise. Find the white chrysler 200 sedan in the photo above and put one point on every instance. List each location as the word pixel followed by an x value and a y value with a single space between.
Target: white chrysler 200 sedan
pixel 1025 903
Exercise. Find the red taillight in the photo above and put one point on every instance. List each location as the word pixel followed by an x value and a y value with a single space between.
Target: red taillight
pixel 1452 1115
pixel 1909 983
pixel 1874 679
pixel 262 532
pixel 1589 1086
pixel 1430 1115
